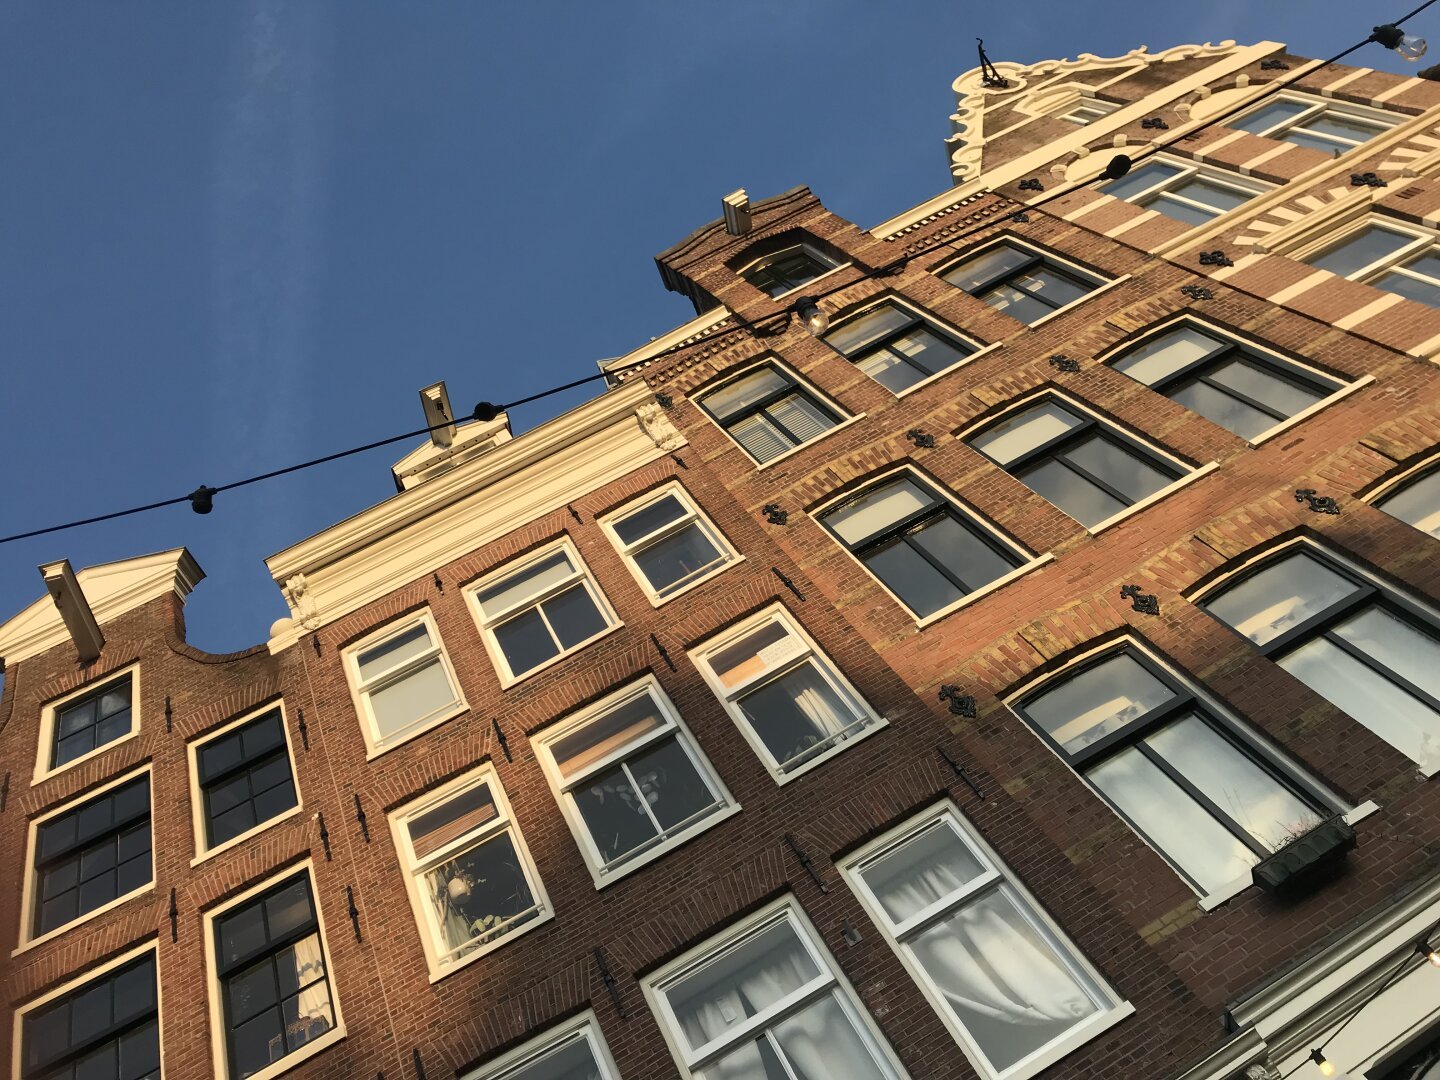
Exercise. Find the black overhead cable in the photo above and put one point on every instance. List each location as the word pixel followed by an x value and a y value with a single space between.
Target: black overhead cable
pixel 200 498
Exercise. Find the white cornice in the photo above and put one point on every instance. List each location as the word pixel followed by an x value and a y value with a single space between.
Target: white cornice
pixel 695 328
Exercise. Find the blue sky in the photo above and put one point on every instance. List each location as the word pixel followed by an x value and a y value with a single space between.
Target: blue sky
pixel 234 235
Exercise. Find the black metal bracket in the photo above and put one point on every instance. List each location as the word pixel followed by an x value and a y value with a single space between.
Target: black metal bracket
pixel 353 910
pixel 805 863
pixel 304 731
pixel 1215 258
pixel 315 640
pixel 574 513
pixel 665 400
pixel 679 461
pixel 1064 363
pixel 1197 292
pixel 1021 216
pixel 1366 179
pixel 168 724
pixel 960 704
pixel 1155 122
pixel 1274 65
pixel 664 653
pixel 788 583
pixel 4 792
pixel 1031 183
pixel 1143 602
pixel 959 771
pixel 324 834
pixel 774 514
pixel 1320 504
pixel 419 1065
pixel 989 77
pixel 608 978
pixel 922 439
pixel 500 738
pixel 439 585
pixel 360 817
pixel 174 918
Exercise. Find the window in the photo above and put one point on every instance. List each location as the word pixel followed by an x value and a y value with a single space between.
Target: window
pixel 1396 260
pixel 542 609
pixel 1355 643
pixel 1015 993
pixel 1076 461
pixel 1187 192
pixel 777 274
pixel 920 547
pixel 1242 390
pixel 768 413
pixel 245 778
pixel 403 682
pixel 1318 125
pixel 471 879
pixel 1180 772
pixel 90 855
pixel 631 779
pixel 764 1001
pixel 792 705
pixel 668 543
pixel 104 1028
pixel 1416 502
pixel 1087 111
pixel 1020 281
pixel 272 974
pixel 895 347
pixel 575 1050
pixel 81 725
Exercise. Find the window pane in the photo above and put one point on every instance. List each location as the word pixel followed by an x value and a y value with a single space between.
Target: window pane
pixel 786 270
pixel 761 438
pixel 975 272
pixel 1220 197
pixel 1163 356
pixel 394 652
pixel 957 548
pixel 820 1043
pixel 81 727
pixel 733 397
pixel 529 583
pixel 573 1061
pixel 480 894
pixel 678 559
pixel 890 371
pixel 928 351
pixel 930 866
pixel 918 584
pixel 610 807
pixel 1141 179
pixel 648 519
pixel 574 616
pixel 1397 644
pixel 1369 245
pixel 1279 596
pixel 852 336
pixel 796 714
pixel 1269 116
pixel 1071 492
pixel 1222 408
pixel 1052 285
pixel 607 735
pixel 1410 288
pixel 1286 396
pixel 1002 979
pixel 759 650
pixel 756 1060
pixel 1117 466
pixel 877 509
pixel 669 783
pixel 1089 705
pixel 801 417
pixel 418 695
pixel 1417 503
pixel 1187 212
pixel 1344 128
pixel 1024 432
pixel 462 813
pixel 525 641
pixel 1017 303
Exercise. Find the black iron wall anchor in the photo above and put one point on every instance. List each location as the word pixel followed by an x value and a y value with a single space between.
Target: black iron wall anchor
pixel 304 732
pixel 419 1065
pixel 353 910
pixel 664 653
pixel 1064 363
pixel 1155 122
pixel 4 792
pixel 774 514
pixel 1366 179
pixel 1215 258
pixel 1021 216
pixel 1197 292
pixel 1319 504
pixel 665 400
pixel 785 580
pixel 174 918
pixel 1143 602
pixel 679 461
pixel 167 713
pixel 805 863
pixel 959 771
pixel 1031 183
pixel 608 978
pixel 922 439
pixel 360 817
pixel 324 834
pixel 500 738
pixel 315 641
pixel 439 585
pixel 960 704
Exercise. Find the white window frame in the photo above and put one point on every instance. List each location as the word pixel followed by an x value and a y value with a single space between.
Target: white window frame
pixel 91 975
pixel 1247 186
pixel 582 574
pixel 375 743
pixel 695 515
pixel 1086 104
pixel 1318 106
pixel 582 1028
pixel 28 894
pixel 220 1058
pixel 928 322
pixel 867 725
pixel 545 741
pixel 413 867
pixel 1109 1012
pixel 50 714
pixel 197 796
pixel 831 980
pixel 810 249
pixel 1422 240
pixel 846 416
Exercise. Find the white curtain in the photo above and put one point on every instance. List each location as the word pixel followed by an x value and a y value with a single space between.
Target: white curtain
pixel 774 972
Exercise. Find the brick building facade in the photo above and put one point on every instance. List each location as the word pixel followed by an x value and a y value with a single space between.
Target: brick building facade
pixel 762 718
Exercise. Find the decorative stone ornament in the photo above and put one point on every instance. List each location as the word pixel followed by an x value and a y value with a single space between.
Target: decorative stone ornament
pixel 1143 602
pixel 960 704
pixel 1319 504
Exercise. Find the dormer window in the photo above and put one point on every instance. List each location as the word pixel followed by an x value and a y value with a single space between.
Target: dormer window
pixel 789 268
pixel 1087 111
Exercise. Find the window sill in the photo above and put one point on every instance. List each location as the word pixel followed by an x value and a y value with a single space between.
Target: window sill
pixel 1103 287
pixel 847 422
pixel 1305 414
pixel 236 841
pixel 962 362
pixel 799 290
pixel 309 1050
pixel 51 935
pixel 1151 500
pixel 374 750
pixel 661 601
pixel 1067 1044
pixel 41 777
pixel 985 590
pixel 438 973
pixel 603 879
pixel 782 778
pixel 507 681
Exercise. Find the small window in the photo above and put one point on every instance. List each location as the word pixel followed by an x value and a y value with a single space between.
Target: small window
pixel 104 1028
pixel 1182 774
pixel 245 778
pixel 668 543
pixel 81 725
pixel 1184 191
pixel 1318 125
pixel 768 413
pixel 895 347
pixel 1076 461
pixel 1357 644
pixel 273 979
pixel 1016 994
pixel 1020 281
pixel 777 274
pixel 631 779
pixel 574 1050
pixel 920 547
pixel 472 883
pixel 765 1000
pixel 1396 260
pixel 403 682
pixel 1087 111
pixel 789 701
pixel 1243 390
pixel 534 613
pixel 1416 502
pixel 91 855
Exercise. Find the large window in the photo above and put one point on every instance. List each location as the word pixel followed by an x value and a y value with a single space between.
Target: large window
pixel 472 882
pixel 1360 645
pixel 790 702
pixel 768 413
pixel 895 347
pixel 920 547
pixel 402 681
pixel 785 270
pixel 764 1002
pixel 1319 125
pixel 90 854
pixel 1015 993
pixel 1394 259
pixel 1243 390
pixel 574 1050
pixel 1020 281
pixel 245 778
pixel 1416 501
pixel 272 979
pixel 83 724
pixel 631 779
pixel 1184 191
pixel 1184 775
pixel 106 1027
pixel 668 543
pixel 544 608
pixel 1081 464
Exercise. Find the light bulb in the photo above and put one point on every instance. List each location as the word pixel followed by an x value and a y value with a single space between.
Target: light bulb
pixel 1406 45
pixel 815 320
pixel 1433 955
pixel 1327 1067
pixel 1411 48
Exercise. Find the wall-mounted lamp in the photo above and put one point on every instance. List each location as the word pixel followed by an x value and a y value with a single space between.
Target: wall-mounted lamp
pixel 815 320
pixel 1407 46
